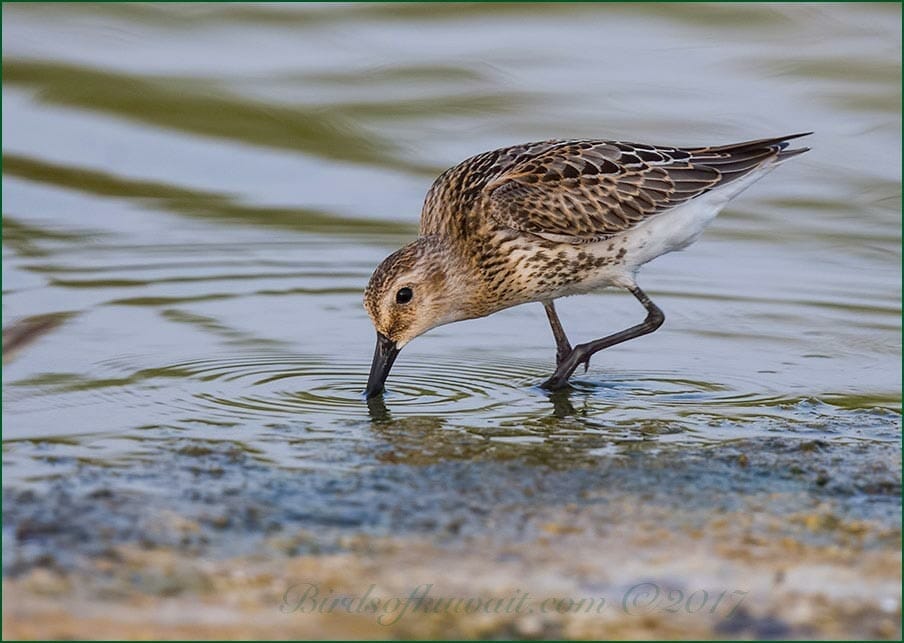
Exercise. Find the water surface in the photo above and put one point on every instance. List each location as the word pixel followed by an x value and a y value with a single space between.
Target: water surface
pixel 196 196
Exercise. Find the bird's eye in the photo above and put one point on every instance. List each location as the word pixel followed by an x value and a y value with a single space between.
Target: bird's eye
pixel 404 296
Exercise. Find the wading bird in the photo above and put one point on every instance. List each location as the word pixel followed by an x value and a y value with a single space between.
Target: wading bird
pixel 540 221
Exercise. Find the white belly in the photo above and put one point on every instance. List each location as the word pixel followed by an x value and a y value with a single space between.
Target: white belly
pixel 668 231
pixel 678 228
pixel 619 257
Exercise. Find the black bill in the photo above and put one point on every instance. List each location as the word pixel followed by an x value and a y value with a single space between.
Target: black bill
pixel 384 355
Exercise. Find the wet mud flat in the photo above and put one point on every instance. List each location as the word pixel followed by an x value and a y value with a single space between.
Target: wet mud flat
pixel 768 538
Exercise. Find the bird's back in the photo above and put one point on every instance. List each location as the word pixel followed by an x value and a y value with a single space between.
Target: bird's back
pixel 584 190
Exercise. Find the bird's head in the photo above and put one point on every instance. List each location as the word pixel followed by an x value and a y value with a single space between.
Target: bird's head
pixel 413 290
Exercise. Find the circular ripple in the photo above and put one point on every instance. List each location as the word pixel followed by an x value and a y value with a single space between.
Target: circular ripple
pixel 485 394
pixel 291 384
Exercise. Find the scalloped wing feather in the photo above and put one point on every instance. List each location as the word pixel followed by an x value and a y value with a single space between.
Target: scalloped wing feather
pixel 587 190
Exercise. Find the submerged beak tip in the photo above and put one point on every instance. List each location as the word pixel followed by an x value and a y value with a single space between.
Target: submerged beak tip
pixel 385 353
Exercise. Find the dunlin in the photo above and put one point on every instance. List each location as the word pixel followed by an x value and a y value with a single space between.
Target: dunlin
pixel 540 221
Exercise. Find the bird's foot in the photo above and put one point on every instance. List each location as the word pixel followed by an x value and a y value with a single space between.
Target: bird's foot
pixel 566 364
pixel 555 383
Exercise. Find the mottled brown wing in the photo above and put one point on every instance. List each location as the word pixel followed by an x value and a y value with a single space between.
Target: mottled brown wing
pixel 581 191
pixel 459 188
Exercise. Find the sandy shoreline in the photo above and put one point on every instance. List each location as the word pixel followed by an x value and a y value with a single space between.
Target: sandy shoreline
pixel 621 569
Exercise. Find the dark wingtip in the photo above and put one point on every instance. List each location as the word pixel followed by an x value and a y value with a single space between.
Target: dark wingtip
pixel 783 141
pixel 786 154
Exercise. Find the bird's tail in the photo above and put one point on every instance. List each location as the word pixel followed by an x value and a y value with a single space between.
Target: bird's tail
pixel 739 159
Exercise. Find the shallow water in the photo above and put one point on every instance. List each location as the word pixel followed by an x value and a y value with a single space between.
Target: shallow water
pixel 198 194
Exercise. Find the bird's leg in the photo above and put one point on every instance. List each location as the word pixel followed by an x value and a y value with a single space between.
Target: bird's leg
pixel 582 352
pixel 563 346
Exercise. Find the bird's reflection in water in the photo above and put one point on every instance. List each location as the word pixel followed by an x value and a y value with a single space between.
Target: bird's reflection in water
pixel 561 400
pixel 376 408
pixel 558 435
pixel 561 403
